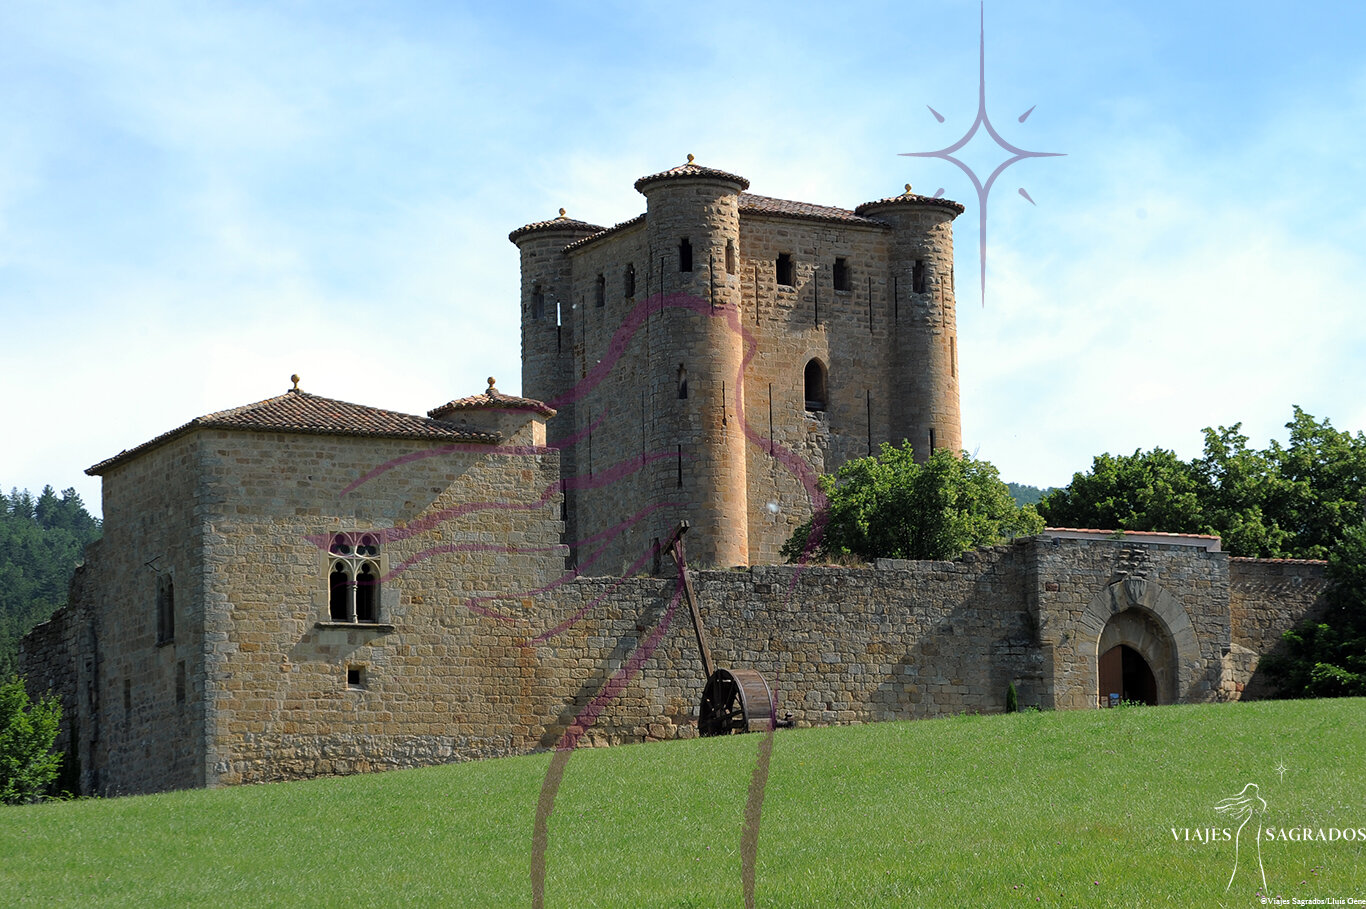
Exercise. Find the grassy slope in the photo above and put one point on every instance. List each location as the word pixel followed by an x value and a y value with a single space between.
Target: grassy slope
pixel 948 812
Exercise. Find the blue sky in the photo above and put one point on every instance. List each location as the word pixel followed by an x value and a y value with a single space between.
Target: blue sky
pixel 197 200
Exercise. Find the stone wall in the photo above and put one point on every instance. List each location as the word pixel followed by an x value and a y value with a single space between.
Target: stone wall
pixel 1268 597
pixel 466 533
pixel 487 646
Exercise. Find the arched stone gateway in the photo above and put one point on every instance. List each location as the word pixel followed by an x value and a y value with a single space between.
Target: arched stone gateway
pixel 1138 638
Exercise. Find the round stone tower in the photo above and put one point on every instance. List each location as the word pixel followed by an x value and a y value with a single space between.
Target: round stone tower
pixel 547 342
pixel 695 376
pixel 546 287
pixel 924 353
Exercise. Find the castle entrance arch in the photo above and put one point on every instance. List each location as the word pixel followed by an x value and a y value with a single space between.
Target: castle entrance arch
pixel 1136 637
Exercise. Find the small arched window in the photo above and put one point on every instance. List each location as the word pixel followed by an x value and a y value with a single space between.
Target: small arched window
pixel 730 257
pixel 684 255
pixel 600 291
pixel 682 381
pixel 814 381
pixel 628 282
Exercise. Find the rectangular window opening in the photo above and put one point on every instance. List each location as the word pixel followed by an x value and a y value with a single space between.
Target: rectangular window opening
pixel 355 677
pixel 843 279
pixel 180 682
pixel 785 270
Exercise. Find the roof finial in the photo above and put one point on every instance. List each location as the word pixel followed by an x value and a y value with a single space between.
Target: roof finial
pixel 295 379
pixel 908 189
pixel 491 390
pixel 690 158
pixel 562 213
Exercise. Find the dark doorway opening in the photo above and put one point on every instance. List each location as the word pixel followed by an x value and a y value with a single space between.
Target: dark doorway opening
pixel 1126 676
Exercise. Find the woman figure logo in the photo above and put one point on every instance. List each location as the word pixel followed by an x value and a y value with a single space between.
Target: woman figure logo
pixel 1242 806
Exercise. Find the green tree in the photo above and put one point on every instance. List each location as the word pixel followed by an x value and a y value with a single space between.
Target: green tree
pixel 41 543
pixel 1321 488
pixel 889 506
pixel 1291 501
pixel 1148 490
pixel 27 731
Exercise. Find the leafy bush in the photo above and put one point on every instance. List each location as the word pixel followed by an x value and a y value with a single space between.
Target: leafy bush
pixel 890 507
pixel 27 731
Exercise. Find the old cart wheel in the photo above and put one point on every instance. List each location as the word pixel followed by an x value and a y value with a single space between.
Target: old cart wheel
pixel 735 700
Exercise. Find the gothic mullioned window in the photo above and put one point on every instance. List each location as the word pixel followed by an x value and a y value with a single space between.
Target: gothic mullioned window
pixel 354 580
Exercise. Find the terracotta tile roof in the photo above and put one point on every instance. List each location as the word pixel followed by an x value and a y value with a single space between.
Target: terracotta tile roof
pixel 766 205
pixel 301 412
pixel 691 170
pixel 762 205
pixel 912 198
pixel 561 223
pixel 584 241
pixel 492 399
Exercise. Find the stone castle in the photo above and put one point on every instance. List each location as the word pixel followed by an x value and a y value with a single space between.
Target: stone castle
pixel 305 586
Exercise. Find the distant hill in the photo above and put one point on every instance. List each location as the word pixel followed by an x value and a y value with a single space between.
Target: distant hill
pixel 1027 495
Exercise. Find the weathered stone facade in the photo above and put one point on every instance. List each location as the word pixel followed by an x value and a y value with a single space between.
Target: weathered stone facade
pixel 712 355
pixel 304 586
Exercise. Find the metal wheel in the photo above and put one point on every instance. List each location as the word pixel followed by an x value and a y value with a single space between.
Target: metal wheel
pixel 734 701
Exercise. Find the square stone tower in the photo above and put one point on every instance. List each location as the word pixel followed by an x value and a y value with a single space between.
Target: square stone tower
pixel 710 357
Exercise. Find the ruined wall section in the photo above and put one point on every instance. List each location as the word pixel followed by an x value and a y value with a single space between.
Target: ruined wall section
pixel 469 541
pixel 1268 597
pixel 48 660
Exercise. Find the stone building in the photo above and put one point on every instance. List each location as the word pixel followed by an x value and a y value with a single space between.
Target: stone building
pixel 304 586
pixel 695 347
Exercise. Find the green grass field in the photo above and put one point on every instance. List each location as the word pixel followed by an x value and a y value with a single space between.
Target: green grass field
pixel 1035 809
